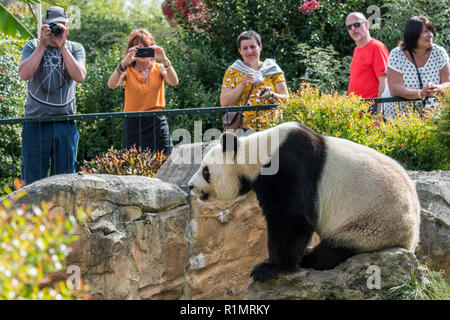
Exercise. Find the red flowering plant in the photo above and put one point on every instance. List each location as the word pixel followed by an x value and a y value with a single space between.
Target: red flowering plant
pixel 193 13
pixel 309 6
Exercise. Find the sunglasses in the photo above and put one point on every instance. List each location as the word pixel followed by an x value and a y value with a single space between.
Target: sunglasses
pixel 355 25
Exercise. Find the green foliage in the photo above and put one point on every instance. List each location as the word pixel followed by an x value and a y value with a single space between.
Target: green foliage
pixel 444 124
pixel 94 96
pixel 106 24
pixel 10 25
pixel 324 68
pixel 413 288
pixel 34 244
pixel 126 162
pixel 413 141
pixel 396 13
pixel 299 42
pixel 13 92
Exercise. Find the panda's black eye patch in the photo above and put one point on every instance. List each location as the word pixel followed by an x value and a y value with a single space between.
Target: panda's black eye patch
pixel 206 174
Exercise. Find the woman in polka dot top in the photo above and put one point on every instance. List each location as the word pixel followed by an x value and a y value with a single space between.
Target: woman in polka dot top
pixel 432 63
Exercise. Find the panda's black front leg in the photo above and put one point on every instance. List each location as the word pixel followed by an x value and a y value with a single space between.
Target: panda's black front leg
pixel 287 240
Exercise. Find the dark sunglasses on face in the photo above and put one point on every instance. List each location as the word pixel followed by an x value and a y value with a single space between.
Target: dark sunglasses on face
pixel 355 25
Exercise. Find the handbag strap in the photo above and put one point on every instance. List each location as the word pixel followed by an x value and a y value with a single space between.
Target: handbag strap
pixel 417 69
pixel 248 97
pixel 425 99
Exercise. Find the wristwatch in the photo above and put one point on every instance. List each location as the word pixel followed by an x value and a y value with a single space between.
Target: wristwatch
pixel 120 67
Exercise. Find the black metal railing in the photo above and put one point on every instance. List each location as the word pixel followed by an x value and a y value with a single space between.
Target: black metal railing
pixel 101 131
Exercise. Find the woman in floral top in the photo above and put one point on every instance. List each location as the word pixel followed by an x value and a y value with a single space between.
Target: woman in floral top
pixel 248 78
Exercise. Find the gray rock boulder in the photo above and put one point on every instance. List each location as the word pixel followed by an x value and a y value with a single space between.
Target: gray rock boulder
pixel 133 246
pixel 183 162
pixel 433 189
pixel 360 277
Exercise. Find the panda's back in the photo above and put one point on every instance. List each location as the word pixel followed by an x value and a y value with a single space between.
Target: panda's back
pixel 365 197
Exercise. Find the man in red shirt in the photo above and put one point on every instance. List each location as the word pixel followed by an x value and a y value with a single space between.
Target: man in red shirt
pixel 370 57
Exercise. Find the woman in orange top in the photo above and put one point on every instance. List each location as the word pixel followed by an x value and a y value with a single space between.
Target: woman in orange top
pixel 144 91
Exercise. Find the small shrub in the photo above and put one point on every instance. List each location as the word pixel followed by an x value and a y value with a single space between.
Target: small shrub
pixel 34 244
pixel 444 124
pixel 436 288
pixel 13 93
pixel 126 162
pixel 417 143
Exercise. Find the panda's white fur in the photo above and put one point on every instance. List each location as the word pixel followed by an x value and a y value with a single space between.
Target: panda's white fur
pixel 366 199
pixel 362 199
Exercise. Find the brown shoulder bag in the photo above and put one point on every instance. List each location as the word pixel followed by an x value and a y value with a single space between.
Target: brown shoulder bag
pixel 232 120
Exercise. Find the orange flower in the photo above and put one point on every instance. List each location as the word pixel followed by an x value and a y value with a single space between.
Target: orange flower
pixel 401 145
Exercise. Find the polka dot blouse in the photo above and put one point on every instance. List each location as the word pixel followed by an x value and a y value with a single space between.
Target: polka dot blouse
pixel 429 73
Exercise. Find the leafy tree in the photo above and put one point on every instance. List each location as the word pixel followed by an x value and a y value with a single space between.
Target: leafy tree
pixel 396 13
pixel 13 93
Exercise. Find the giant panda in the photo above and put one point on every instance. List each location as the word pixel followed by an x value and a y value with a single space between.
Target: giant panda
pixel 355 198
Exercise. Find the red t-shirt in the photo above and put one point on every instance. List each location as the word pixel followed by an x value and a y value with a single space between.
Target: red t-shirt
pixel 369 62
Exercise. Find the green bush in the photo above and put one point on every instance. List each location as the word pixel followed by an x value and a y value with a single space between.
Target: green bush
pixel 94 96
pixel 34 244
pixel 13 93
pixel 417 143
pixel 444 124
pixel 321 36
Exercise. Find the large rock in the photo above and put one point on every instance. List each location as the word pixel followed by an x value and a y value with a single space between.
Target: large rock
pixel 147 240
pixel 144 240
pixel 433 189
pixel 228 239
pixel 183 163
pixel 134 244
pixel 363 276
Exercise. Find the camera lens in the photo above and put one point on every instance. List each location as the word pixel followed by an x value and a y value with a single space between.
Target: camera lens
pixel 56 30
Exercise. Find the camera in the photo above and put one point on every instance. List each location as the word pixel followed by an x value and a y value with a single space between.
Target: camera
pixel 56 30
pixel 145 52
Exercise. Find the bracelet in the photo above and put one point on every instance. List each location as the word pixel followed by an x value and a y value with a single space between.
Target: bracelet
pixel 167 68
pixel 420 94
pixel 120 68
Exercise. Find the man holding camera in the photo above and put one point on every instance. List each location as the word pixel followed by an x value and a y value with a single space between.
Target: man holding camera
pixel 52 65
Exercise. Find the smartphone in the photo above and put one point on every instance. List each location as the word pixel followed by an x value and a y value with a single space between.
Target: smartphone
pixel 145 52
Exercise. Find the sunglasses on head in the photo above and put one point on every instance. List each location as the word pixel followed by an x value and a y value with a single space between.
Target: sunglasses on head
pixel 355 25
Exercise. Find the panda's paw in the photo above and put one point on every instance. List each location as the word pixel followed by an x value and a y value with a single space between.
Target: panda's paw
pixel 266 270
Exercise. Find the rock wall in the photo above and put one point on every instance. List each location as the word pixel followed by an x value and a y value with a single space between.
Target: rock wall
pixel 146 239
pixel 433 189
pixel 134 245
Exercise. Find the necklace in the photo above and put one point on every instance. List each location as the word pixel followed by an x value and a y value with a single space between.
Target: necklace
pixel 144 69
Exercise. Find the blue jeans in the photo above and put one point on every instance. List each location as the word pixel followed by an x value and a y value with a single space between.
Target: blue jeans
pixel 45 144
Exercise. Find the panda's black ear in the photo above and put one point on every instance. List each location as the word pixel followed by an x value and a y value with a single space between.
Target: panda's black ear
pixel 229 142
